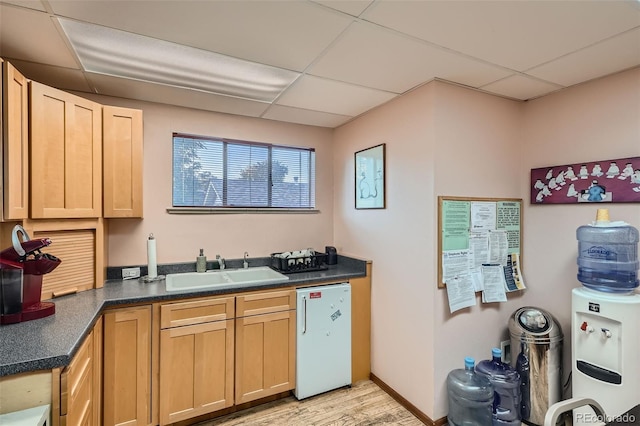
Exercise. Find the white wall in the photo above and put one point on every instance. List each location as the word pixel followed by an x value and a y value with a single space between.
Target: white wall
pixel 477 155
pixel 399 239
pixel 599 120
pixel 180 236
pixel 446 140
pixel 440 140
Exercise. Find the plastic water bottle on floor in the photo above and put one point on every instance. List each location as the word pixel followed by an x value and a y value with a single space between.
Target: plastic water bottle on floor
pixel 506 386
pixel 470 397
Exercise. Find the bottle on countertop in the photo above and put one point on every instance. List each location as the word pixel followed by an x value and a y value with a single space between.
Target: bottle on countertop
pixel 201 262
pixel 470 397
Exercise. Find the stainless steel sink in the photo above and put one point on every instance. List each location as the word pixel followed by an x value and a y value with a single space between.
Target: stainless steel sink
pixel 227 278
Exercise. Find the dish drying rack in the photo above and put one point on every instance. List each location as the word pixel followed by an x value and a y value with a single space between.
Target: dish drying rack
pixel 299 261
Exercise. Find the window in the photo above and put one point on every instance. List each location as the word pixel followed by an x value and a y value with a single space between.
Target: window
pixel 215 172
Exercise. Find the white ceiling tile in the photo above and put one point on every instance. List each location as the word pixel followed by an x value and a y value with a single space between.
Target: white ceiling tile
pixel 515 34
pixel 132 89
pixel 61 78
pixel 30 4
pixel 614 54
pixel 280 33
pixel 382 59
pixel 304 116
pixel 520 87
pixel 349 60
pixel 352 7
pixel 32 36
pixel 319 94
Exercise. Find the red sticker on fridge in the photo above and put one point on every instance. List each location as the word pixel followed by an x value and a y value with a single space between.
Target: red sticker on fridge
pixel 315 295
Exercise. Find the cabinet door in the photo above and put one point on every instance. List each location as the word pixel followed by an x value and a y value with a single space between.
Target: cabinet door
pixel 15 145
pixel 265 355
pixel 66 154
pixel 196 370
pixel 127 366
pixel 77 386
pixel 122 151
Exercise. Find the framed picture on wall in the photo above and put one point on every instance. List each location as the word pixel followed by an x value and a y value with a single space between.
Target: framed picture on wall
pixel 604 181
pixel 370 178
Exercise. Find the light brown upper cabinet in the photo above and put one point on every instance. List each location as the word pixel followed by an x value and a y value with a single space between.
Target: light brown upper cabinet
pixel 15 145
pixel 122 160
pixel 66 154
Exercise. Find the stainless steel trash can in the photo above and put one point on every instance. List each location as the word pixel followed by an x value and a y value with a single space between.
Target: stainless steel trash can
pixel 536 353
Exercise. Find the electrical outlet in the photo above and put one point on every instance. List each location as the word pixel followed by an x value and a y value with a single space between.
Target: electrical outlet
pixel 505 345
pixel 128 273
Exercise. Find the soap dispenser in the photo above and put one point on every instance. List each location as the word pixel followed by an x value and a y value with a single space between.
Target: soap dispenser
pixel 201 262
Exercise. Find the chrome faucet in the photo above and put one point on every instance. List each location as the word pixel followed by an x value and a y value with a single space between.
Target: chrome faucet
pixel 220 261
pixel 246 263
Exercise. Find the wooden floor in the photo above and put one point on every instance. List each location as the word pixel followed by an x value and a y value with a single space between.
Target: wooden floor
pixel 362 404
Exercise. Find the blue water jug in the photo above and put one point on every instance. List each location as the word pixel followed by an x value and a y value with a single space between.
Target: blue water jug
pixel 470 397
pixel 506 386
pixel 608 255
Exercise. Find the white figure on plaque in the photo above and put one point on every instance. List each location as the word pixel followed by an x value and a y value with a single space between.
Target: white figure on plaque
pixel 544 192
pixel 613 171
pixel 569 174
pixel 549 174
pixel 635 179
pixel 553 184
pixel 626 172
pixel 597 170
pixel 560 179
pixel 571 192
pixel 583 173
pixel 538 184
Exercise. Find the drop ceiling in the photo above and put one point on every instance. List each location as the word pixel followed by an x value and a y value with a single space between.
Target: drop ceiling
pixel 329 61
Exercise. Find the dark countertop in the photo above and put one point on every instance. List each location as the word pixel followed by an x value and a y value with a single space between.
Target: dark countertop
pixel 51 342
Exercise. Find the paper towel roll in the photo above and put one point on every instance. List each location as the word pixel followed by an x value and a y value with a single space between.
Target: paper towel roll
pixel 152 262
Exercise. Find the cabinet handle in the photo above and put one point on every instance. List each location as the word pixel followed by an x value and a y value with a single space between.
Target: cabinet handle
pixel 304 308
pixel 65 292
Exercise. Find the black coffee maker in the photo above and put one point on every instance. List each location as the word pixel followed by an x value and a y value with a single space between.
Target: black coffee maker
pixel 332 255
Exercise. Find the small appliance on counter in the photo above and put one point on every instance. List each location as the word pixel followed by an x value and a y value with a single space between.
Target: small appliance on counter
pixel 332 255
pixel 21 269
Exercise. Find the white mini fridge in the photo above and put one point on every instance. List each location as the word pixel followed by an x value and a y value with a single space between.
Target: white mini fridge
pixel 323 341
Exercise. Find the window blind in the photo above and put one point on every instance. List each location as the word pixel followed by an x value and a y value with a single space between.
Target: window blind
pixel 217 172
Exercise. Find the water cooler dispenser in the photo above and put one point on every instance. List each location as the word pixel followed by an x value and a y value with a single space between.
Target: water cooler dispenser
pixel 605 320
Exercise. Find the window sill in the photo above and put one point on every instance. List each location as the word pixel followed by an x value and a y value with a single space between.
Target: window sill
pixel 237 210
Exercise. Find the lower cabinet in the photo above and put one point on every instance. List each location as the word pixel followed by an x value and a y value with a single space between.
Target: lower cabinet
pixel 127 366
pixel 196 358
pixel 265 344
pixel 208 354
pixel 80 383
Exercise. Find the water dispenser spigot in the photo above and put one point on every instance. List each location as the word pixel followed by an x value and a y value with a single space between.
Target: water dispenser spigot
pixel 586 327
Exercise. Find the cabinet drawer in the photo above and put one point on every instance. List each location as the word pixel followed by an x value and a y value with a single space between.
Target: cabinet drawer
pixel 80 402
pixel 76 376
pixel 264 303
pixel 196 312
